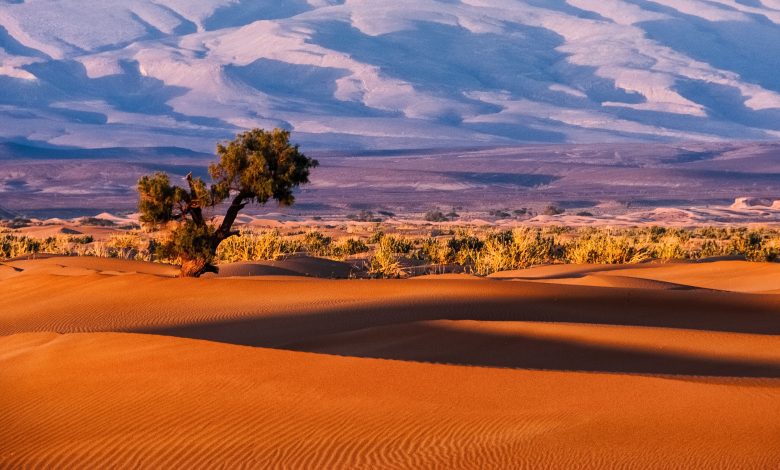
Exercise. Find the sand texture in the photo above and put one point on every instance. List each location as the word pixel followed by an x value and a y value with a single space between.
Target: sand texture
pixel 109 363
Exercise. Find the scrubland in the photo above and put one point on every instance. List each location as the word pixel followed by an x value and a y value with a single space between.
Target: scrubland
pixel 382 251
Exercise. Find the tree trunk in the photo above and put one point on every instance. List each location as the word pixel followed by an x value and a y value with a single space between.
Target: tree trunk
pixel 224 229
pixel 196 267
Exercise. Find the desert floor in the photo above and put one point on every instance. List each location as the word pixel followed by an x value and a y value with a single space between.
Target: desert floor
pixel 109 363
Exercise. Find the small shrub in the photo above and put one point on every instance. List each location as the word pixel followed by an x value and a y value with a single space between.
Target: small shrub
pixel 710 248
pixel 250 246
pixel 348 247
pixel 364 216
pixel 605 248
pixel 125 245
pixel 317 244
pixel 96 222
pixel 463 248
pixel 499 214
pixel 518 249
pixel 384 262
pixel 753 246
pixel 18 222
pixel 398 244
pixel 552 210
pixel 12 246
pixel 435 216
pixel 434 251
pixel 669 248
pixel 376 236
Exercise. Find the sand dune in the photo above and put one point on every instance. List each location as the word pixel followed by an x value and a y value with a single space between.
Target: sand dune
pixel 733 276
pixel 604 280
pixel 726 275
pixel 107 362
pixel 73 265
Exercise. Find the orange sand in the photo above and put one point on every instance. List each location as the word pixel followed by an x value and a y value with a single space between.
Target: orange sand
pixel 113 363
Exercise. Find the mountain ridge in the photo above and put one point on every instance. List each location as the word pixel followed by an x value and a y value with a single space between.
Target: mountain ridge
pixel 372 75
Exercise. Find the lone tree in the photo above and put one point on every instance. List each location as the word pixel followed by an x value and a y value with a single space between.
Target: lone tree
pixel 255 167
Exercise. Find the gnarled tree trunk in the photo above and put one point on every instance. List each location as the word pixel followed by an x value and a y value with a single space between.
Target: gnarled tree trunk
pixel 196 267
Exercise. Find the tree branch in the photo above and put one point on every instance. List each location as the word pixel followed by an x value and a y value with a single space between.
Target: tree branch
pixel 230 216
pixel 194 205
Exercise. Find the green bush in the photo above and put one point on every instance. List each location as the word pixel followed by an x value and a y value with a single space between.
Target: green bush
pixel 317 244
pixel 435 216
pixel 348 247
pixel 552 210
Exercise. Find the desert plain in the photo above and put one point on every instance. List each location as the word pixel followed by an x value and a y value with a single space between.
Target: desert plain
pixel 117 363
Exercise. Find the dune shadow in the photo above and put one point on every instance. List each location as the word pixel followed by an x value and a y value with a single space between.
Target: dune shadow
pixel 719 311
pixel 434 343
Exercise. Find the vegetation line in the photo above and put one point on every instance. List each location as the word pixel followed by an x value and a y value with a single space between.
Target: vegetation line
pixel 478 251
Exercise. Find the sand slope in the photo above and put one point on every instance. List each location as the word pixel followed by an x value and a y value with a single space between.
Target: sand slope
pixel 111 363
pixel 735 276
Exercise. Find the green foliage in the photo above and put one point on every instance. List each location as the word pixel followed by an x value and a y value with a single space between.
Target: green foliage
pixel 262 165
pixel 156 199
pixel 188 241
